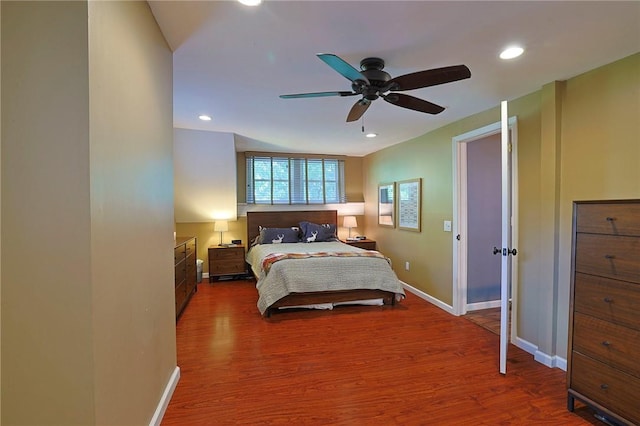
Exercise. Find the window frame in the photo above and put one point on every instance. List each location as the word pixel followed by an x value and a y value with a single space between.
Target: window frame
pixel 299 179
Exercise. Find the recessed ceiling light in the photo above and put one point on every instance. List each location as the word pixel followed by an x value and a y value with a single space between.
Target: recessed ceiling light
pixel 371 135
pixel 511 52
pixel 250 2
pixel 204 117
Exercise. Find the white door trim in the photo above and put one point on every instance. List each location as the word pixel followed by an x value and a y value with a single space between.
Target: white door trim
pixel 459 146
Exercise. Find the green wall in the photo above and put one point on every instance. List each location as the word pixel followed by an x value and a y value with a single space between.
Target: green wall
pixel 577 139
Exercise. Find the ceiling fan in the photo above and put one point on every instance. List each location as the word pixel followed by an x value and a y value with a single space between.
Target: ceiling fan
pixel 372 82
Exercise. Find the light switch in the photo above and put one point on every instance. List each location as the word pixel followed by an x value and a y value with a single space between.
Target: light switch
pixel 447 226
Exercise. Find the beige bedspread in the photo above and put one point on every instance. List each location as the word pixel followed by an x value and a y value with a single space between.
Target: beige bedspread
pixel 309 274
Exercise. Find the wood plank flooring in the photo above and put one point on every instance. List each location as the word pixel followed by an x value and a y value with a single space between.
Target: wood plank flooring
pixel 412 364
pixel 486 318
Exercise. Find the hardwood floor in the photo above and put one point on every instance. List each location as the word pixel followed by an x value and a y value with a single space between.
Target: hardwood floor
pixel 411 364
pixel 486 318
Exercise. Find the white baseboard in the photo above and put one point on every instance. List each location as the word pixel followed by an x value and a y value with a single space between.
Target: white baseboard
pixel 525 346
pixel 166 397
pixel 483 305
pixel 551 361
pixel 422 295
pixel 561 363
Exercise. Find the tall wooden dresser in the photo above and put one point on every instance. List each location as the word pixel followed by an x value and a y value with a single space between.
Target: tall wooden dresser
pixel 604 325
pixel 186 275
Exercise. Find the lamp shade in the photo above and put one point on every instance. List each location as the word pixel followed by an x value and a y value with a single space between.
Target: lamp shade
pixel 221 226
pixel 350 222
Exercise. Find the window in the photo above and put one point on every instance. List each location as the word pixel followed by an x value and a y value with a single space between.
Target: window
pixel 289 179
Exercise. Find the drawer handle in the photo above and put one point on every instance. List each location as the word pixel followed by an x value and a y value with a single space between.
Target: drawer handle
pixel 608 300
pixel 609 256
pixel 610 219
pixel 604 386
pixel 606 343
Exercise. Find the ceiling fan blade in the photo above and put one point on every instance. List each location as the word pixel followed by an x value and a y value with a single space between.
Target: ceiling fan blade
pixel 411 102
pixel 358 109
pixel 428 78
pixel 343 67
pixel 317 95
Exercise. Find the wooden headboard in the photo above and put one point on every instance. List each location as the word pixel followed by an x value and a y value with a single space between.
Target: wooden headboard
pixel 286 219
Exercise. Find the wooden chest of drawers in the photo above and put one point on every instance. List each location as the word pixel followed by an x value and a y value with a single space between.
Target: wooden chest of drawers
pixel 185 275
pixel 604 325
pixel 226 261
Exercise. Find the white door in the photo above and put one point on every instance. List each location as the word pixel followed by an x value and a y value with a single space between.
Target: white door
pixel 507 251
pixel 508 213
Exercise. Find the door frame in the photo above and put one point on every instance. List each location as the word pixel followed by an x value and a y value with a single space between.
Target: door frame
pixel 460 211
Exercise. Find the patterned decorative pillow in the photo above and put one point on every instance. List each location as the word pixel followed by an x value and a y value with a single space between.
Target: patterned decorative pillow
pixel 314 233
pixel 279 235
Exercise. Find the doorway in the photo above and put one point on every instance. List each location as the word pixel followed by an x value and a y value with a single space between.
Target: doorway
pixel 477 214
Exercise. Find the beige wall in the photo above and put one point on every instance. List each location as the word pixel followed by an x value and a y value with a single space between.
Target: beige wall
pixel 203 231
pixel 131 140
pixel 47 359
pixel 600 152
pixel 0 212
pixel 204 176
pixel 577 140
pixel 88 328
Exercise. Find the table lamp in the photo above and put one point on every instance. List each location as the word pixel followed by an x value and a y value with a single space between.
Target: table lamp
pixel 350 222
pixel 221 226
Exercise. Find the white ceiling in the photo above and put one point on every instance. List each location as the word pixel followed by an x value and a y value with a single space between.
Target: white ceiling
pixel 232 62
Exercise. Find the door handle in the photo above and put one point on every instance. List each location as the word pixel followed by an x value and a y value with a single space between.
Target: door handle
pixel 505 252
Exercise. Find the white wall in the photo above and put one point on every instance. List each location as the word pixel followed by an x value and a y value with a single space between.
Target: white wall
pixel 205 176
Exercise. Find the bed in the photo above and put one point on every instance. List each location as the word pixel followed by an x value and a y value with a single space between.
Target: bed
pixel 318 274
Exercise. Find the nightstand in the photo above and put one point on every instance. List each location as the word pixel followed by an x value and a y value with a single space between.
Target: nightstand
pixel 363 244
pixel 226 261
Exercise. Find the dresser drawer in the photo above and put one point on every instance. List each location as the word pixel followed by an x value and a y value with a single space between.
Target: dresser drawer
pixel 607 299
pixel 180 273
pixel 608 256
pixel 190 247
pixel 603 218
pixel 181 296
pixel 178 254
pixel 607 386
pixel 227 253
pixel 610 343
pixel 227 268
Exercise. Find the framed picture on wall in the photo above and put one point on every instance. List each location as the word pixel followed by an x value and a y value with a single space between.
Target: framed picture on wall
pixel 409 204
pixel 386 204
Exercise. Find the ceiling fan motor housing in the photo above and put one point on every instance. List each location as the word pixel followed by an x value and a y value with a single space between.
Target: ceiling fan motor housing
pixel 372 69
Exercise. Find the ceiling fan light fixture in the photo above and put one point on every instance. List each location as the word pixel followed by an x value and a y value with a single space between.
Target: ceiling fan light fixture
pixel 250 2
pixel 204 117
pixel 511 52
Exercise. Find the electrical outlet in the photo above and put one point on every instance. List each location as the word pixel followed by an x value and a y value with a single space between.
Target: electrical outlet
pixel 406 266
